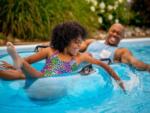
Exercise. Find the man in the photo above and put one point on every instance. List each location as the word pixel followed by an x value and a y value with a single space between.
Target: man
pixel 110 51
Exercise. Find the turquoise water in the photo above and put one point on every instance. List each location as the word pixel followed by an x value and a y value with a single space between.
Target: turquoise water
pixel 95 93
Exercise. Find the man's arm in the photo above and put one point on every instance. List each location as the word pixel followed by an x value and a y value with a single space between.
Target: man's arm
pixel 127 57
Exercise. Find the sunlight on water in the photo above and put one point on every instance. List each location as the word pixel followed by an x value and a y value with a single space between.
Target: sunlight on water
pixel 96 93
pixel 129 84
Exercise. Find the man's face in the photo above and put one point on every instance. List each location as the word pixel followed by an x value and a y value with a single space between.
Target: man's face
pixel 115 34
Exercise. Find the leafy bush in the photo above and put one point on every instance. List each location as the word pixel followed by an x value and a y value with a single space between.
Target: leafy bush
pixel 32 19
pixel 110 11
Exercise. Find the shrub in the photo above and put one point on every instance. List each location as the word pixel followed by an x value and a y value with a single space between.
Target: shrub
pixel 141 10
pixel 110 11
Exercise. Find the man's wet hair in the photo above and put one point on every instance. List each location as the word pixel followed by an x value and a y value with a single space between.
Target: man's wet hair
pixel 64 33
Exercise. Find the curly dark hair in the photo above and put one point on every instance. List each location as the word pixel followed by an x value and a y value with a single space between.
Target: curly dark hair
pixel 64 33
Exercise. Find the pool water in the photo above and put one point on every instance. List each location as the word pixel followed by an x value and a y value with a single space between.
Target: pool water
pixel 95 93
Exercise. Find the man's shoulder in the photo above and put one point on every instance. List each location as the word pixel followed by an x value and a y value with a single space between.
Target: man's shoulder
pixel 96 45
pixel 122 49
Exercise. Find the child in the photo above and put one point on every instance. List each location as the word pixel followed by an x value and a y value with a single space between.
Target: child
pixel 62 56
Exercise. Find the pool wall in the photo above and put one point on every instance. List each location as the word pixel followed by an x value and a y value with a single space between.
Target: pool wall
pixel 30 48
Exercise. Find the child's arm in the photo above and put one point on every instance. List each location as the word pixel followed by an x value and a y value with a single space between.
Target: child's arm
pixel 37 56
pixel 30 59
pixel 86 57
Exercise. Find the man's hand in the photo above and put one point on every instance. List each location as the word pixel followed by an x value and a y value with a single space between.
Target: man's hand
pixel 148 68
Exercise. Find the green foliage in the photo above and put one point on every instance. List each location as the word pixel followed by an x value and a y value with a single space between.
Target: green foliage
pixel 24 19
pixel 111 11
pixel 2 36
pixel 34 19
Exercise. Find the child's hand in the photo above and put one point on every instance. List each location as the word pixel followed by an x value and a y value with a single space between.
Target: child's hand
pixel 121 84
pixel 6 65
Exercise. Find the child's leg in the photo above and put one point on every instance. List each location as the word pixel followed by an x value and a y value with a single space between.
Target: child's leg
pixel 21 64
pixel 16 58
pixel 30 71
pixel 11 74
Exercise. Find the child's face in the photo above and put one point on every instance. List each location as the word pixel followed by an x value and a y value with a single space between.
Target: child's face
pixel 74 46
